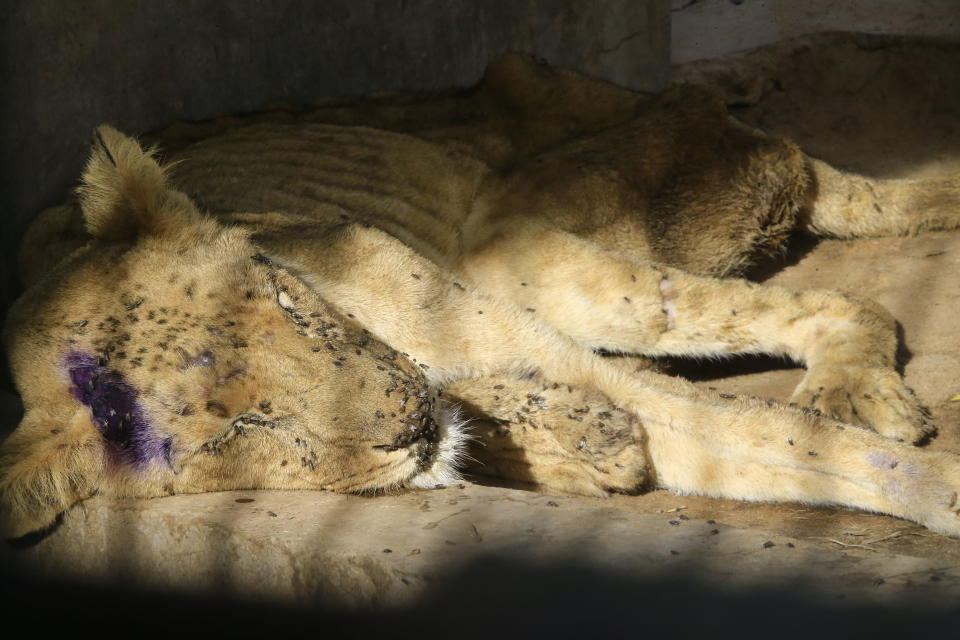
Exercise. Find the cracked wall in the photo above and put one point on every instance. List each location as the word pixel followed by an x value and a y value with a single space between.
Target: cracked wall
pixel 67 67
pixel 711 28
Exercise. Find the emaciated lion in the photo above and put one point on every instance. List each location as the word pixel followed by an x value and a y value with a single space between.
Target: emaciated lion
pixel 308 296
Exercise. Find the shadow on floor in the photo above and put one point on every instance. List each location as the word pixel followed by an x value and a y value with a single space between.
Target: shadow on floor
pixel 488 599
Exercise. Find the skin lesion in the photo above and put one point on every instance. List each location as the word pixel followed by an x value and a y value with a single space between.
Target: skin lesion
pixel 669 293
pixel 116 411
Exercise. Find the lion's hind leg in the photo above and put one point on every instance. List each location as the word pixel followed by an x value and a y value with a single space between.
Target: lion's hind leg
pixel 47 466
pixel 845 205
pixel 749 449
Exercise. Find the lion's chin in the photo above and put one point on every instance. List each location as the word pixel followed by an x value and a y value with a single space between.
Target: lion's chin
pixel 449 452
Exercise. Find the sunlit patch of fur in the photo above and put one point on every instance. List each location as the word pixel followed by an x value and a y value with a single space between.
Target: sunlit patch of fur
pixel 384 481
pixel 451 451
pixel 451 454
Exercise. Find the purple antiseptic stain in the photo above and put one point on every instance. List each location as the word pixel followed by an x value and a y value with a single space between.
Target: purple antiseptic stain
pixel 882 460
pixel 117 412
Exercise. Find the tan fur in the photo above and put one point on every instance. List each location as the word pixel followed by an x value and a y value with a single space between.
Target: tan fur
pixel 285 308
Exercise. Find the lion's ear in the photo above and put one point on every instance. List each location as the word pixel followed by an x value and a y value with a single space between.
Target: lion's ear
pixel 124 191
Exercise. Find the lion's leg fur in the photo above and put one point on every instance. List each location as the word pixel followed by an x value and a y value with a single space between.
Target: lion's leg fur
pixel 49 463
pixel 555 436
pixel 697 442
pixel 751 451
pixel 609 300
pixel 846 205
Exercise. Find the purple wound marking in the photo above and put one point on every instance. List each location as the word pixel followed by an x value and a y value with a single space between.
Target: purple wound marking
pixel 882 460
pixel 116 411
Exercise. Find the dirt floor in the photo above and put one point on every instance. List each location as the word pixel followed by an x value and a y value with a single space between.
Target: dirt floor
pixel 883 107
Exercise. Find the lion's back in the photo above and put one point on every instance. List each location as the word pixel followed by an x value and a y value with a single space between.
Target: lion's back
pixel 418 191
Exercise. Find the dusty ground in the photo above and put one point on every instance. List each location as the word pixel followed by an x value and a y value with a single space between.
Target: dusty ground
pixel 886 108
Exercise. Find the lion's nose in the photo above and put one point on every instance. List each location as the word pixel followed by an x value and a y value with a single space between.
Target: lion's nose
pixel 419 425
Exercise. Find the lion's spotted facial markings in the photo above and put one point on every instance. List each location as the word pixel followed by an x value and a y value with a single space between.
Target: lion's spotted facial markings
pixel 116 411
pixel 194 368
pixel 416 441
pixel 410 421
pixel 252 361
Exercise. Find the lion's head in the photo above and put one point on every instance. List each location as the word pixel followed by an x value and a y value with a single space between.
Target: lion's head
pixel 171 354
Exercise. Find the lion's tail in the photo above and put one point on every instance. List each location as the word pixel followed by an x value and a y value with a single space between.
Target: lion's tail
pixel 845 205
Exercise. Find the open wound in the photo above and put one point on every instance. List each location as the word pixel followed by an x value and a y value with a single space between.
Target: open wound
pixel 116 411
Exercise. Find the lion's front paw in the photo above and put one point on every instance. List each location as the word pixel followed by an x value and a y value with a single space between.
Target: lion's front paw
pixel 875 398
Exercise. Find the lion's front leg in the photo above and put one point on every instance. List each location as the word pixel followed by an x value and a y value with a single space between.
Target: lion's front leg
pixel 847 345
pixel 610 300
pixel 696 442
pixel 558 437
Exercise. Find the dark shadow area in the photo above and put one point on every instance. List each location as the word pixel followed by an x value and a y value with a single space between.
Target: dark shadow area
pixel 11 408
pixel 870 93
pixel 904 354
pixel 767 265
pixel 491 598
pixel 702 369
pixel 34 538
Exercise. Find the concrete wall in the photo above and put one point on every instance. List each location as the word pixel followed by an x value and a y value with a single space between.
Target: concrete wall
pixel 67 66
pixel 712 28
